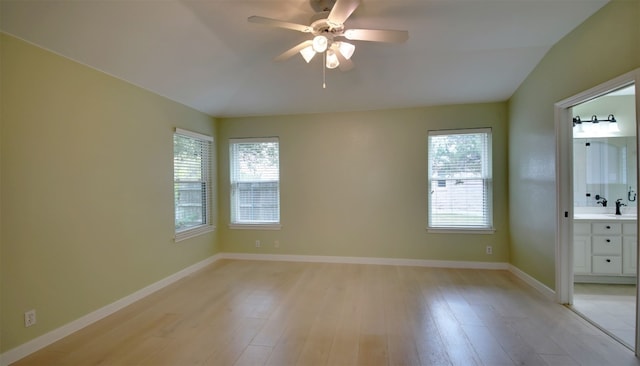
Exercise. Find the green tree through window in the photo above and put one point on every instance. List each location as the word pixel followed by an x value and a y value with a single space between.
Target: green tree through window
pixel 192 180
pixel 255 181
pixel 460 183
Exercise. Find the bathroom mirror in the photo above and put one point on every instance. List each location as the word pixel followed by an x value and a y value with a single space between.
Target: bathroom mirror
pixel 604 167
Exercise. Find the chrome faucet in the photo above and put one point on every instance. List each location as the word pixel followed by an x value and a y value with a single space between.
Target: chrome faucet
pixel 618 205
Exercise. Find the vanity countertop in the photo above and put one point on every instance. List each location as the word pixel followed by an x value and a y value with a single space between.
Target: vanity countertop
pixel 599 216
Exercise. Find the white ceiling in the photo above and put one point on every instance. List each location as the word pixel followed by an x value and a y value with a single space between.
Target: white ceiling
pixel 206 55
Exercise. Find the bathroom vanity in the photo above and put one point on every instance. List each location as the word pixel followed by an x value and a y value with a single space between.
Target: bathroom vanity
pixel 604 177
pixel 605 248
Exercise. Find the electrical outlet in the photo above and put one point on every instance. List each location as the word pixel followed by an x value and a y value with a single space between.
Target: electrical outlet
pixel 276 243
pixel 30 318
pixel 489 249
pixel 257 243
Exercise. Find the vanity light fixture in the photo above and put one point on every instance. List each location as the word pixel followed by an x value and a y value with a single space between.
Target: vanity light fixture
pixel 611 121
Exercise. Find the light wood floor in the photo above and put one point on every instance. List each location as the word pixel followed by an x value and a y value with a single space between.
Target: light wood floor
pixel 277 313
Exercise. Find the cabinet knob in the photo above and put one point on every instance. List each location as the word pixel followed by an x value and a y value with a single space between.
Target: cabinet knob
pixel 608 240
pixel 608 227
pixel 608 260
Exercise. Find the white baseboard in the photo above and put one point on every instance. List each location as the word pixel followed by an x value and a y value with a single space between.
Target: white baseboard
pixel 539 286
pixel 542 288
pixel 618 280
pixel 366 260
pixel 44 340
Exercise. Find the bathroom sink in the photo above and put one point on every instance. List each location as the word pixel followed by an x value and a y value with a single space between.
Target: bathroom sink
pixel 604 216
pixel 628 217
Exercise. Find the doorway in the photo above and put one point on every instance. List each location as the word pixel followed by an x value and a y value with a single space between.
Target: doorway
pixel 605 212
pixel 597 241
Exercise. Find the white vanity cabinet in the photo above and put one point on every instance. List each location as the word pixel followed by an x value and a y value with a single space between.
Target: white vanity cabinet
pixel 629 248
pixel 605 249
pixel 581 248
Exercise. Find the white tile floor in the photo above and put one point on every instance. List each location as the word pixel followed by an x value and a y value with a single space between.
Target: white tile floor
pixel 611 307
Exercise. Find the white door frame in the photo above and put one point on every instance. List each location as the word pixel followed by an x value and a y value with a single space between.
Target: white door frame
pixel 564 184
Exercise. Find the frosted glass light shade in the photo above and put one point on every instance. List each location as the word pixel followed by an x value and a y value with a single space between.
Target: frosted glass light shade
pixel 332 60
pixel 346 49
pixel 307 53
pixel 320 43
pixel 578 128
pixel 613 127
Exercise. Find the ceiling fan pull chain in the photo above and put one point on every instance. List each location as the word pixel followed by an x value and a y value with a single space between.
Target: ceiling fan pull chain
pixel 324 70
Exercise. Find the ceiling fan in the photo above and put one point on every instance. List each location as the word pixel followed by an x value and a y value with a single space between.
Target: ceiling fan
pixel 328 31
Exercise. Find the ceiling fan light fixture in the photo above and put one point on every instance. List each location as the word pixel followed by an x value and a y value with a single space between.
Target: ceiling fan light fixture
pixel 332 60
pixel 307 53
pixel 346 49
pixel 320 43
pixel 326 25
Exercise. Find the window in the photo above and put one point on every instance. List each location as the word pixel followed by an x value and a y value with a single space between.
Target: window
pixel 255 182
pixel 192 158
pixel 460 182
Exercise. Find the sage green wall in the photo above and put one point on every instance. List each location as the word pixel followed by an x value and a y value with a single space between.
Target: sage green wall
pixel 1 256
pixel 87 193
pixel 355 184
pixel 605 46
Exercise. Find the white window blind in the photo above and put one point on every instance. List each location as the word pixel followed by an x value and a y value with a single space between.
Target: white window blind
pixel 192 159
pixel 255 181
pixel 460 179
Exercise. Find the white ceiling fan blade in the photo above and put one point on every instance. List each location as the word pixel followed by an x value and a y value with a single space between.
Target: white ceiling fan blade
pixel 345 64
pixel 279 23
pixel 293 50
pixel 342 10
pixel 376 35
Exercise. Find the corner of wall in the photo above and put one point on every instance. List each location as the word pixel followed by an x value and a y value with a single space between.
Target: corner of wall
pixel 1 223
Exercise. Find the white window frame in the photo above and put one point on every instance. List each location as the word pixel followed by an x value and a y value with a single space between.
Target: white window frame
pixel 206 180
pixel 236 223
pixel 487 172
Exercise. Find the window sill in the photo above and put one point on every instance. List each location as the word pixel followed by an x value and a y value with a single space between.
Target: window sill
pixel 191 233
pixel 457 230
pixel 255 226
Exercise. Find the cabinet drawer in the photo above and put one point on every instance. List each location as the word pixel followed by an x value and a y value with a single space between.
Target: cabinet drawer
pixel 630 229
pixel 604 264
pixel 606 228
pixel 611 245
pixel 581 229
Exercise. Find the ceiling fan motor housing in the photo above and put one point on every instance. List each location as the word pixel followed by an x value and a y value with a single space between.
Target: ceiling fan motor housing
pixel 322 5
pixel 324 27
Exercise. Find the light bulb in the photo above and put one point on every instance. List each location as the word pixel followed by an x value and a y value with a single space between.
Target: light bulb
pixel 578 128
pixel 346 49
pixel 332 60
pixel 613 127
pixel 307 53
pixel 320 43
